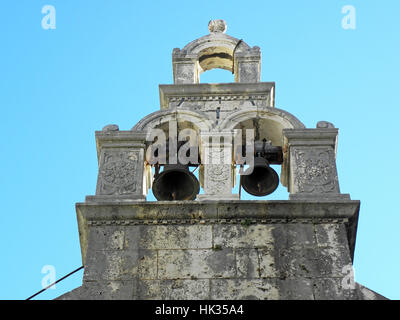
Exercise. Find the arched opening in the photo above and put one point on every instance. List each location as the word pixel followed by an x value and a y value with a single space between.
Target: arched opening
pixel 216 65
pixel 268 130
pixel 216 57
pixel 169 176
pixel 266 123
pixel 217 75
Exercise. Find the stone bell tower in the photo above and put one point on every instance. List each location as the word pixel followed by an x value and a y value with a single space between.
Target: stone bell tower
pixel 200 240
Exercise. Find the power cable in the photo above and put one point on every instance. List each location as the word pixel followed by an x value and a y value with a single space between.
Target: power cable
pixel 44 289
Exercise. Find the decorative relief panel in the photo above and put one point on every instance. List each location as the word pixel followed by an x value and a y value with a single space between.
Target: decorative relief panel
pixel 219 179
pixel 315 171
pixel 118 173
pixel 217 161
pixel 185 73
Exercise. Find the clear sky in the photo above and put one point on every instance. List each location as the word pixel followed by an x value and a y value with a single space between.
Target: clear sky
pixel 102 64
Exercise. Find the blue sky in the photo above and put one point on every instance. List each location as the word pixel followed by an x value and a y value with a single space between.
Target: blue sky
pixel 103 64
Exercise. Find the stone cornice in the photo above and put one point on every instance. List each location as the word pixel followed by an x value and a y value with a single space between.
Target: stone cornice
pixel 299 137
pixel 216 212
pixel 221 91
pixel 119 139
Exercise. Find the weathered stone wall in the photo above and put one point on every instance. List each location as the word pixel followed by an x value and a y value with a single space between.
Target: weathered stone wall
pixel 266 250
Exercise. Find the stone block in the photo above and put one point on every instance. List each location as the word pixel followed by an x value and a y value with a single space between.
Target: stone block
pixel 299 235
pixel 296 262
pixel 293 235
pixel 196 264
pixel 333 289
pixel 103 290
pixel 243 236
pixel 240 289
pixel 110 290
pixel 331 235
pixel 95 265
pixel 174 290
pixel 111 265
pixel 121 265
pixel 311 262
pixel 148 264
pixel 247 263
pixel 295 289
pixel 176 237
pixel 267 265
pixel 249 72
pixel 333 261
pixel 132 236
pixel 106 238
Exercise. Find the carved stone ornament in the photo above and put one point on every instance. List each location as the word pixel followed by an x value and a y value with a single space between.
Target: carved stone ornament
pixel 218 178
pixel 315 172
pixel 118 173
pixel 217 26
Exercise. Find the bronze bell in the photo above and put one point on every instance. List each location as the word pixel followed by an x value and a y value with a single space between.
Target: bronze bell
pixel 175 182
pixel 262 181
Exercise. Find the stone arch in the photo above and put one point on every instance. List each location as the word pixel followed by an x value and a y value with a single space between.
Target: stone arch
pixel 215 40
pixel 215 51
pixel 198 120
pixel 268 121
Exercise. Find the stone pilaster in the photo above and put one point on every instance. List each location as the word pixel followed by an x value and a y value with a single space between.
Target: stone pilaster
pixel 185 67
pixel 216 157
pixel 310 164
pixel 247 66
pixel 121 166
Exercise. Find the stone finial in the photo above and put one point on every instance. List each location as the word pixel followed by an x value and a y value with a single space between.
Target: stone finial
pixel 111 127
pixel 217 26
pixel 324 125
